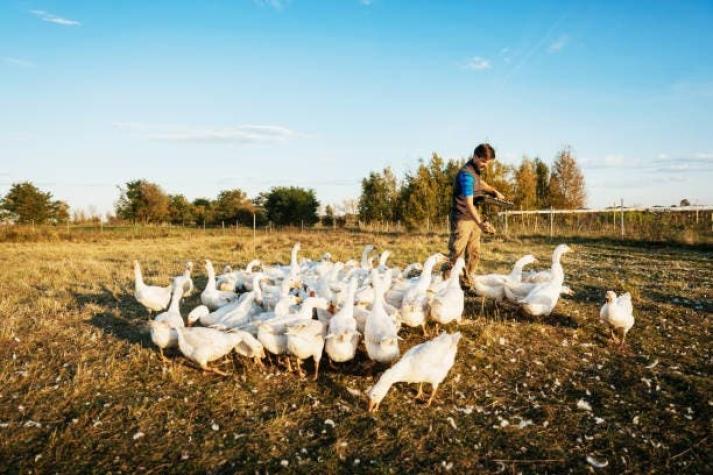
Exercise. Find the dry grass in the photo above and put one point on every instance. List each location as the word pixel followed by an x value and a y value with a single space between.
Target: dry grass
pixel 82 390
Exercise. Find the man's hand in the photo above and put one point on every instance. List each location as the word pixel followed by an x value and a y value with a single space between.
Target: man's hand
pixel 487 228
pixel 499 195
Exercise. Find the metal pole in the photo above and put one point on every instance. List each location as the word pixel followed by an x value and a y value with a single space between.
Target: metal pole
pixel 552 217
pixel 622 217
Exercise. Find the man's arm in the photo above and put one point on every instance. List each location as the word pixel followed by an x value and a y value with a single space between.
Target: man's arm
pixel 484 225
pixel 484 187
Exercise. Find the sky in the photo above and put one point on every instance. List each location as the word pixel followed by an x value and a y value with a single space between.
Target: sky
pixel 205 96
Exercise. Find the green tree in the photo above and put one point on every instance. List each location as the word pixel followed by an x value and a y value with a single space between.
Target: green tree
pixel 526 185
pixel 542 172
pixel 26 203
pixel 420 198
pixel 291 206
pixel 60 212
pixel 566 182
pixel 143 201
pixel 203 211
pixel 328 216
pixel 181 211
pixel 379 195
pixel 232 206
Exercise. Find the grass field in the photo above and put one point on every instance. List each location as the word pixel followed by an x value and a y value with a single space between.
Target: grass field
pixel 82 389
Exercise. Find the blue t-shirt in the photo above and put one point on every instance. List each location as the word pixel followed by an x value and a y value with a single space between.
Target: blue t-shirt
pixel 466 183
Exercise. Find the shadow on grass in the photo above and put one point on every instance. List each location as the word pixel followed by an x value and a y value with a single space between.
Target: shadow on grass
pixel 129 324
pixel 602 241
pixel 133 331
pixel 505 311
pixel 705 305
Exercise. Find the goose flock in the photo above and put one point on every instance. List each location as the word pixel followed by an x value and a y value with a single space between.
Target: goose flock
pixel 306 308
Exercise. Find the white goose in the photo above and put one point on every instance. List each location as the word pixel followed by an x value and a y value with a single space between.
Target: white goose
pixel 153 297
pixel 448 303
pixel 211 296
pixel 395 295
pixel 305 339
pixel 184 280
pixel 249 347
pixel 543 298
pixel 203 345
pixel 491 286
pixel 414 306
pixel 271 333
pixel 380 332
pixel 428 362
pixel 541 277
pixel 342 337
pixel 618 313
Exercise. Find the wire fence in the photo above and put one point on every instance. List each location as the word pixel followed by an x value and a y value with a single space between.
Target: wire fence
pixel 690 224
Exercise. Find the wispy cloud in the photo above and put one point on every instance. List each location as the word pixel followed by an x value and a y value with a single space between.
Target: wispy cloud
pixel 477 64
pixel 276 4
pixel 558 45
pixel 697 162
pixel 242 134
pixel 51 18
pixel 17 62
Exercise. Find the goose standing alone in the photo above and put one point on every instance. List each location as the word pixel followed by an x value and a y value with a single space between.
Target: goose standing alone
pixel 618 313
pixel 428 362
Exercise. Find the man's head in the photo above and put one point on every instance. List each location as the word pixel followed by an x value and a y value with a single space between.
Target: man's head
pixel 482 154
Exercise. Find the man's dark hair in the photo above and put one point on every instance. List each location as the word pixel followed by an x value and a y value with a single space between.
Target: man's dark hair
pixel 484 150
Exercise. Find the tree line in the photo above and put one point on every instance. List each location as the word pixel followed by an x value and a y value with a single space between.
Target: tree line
pixel 145 202
pixel 423 196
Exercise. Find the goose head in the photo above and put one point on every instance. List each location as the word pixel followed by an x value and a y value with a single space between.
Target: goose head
pixel 611 296
pixel 326 257
pixel 527 260
pixel 227 269
pixel 560 251
pixel 189 266
pixel 197 313
pixel 376 394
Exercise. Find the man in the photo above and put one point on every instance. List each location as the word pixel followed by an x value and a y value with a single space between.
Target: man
pixel 466 222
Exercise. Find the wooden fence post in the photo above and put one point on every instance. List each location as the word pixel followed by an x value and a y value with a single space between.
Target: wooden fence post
pixel 552 217
pixel 254 234
pixel 506 223
pixel 622 217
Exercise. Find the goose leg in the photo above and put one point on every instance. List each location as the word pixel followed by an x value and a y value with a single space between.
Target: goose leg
pixel 288 364
pixel 423 329
pixel 215 370
pixel 420 391
pixel 259 363
pixel 163 357
pixel 299 368
pixel 482 304
pixel 613 335
pixel 316 369
pixel 433 394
